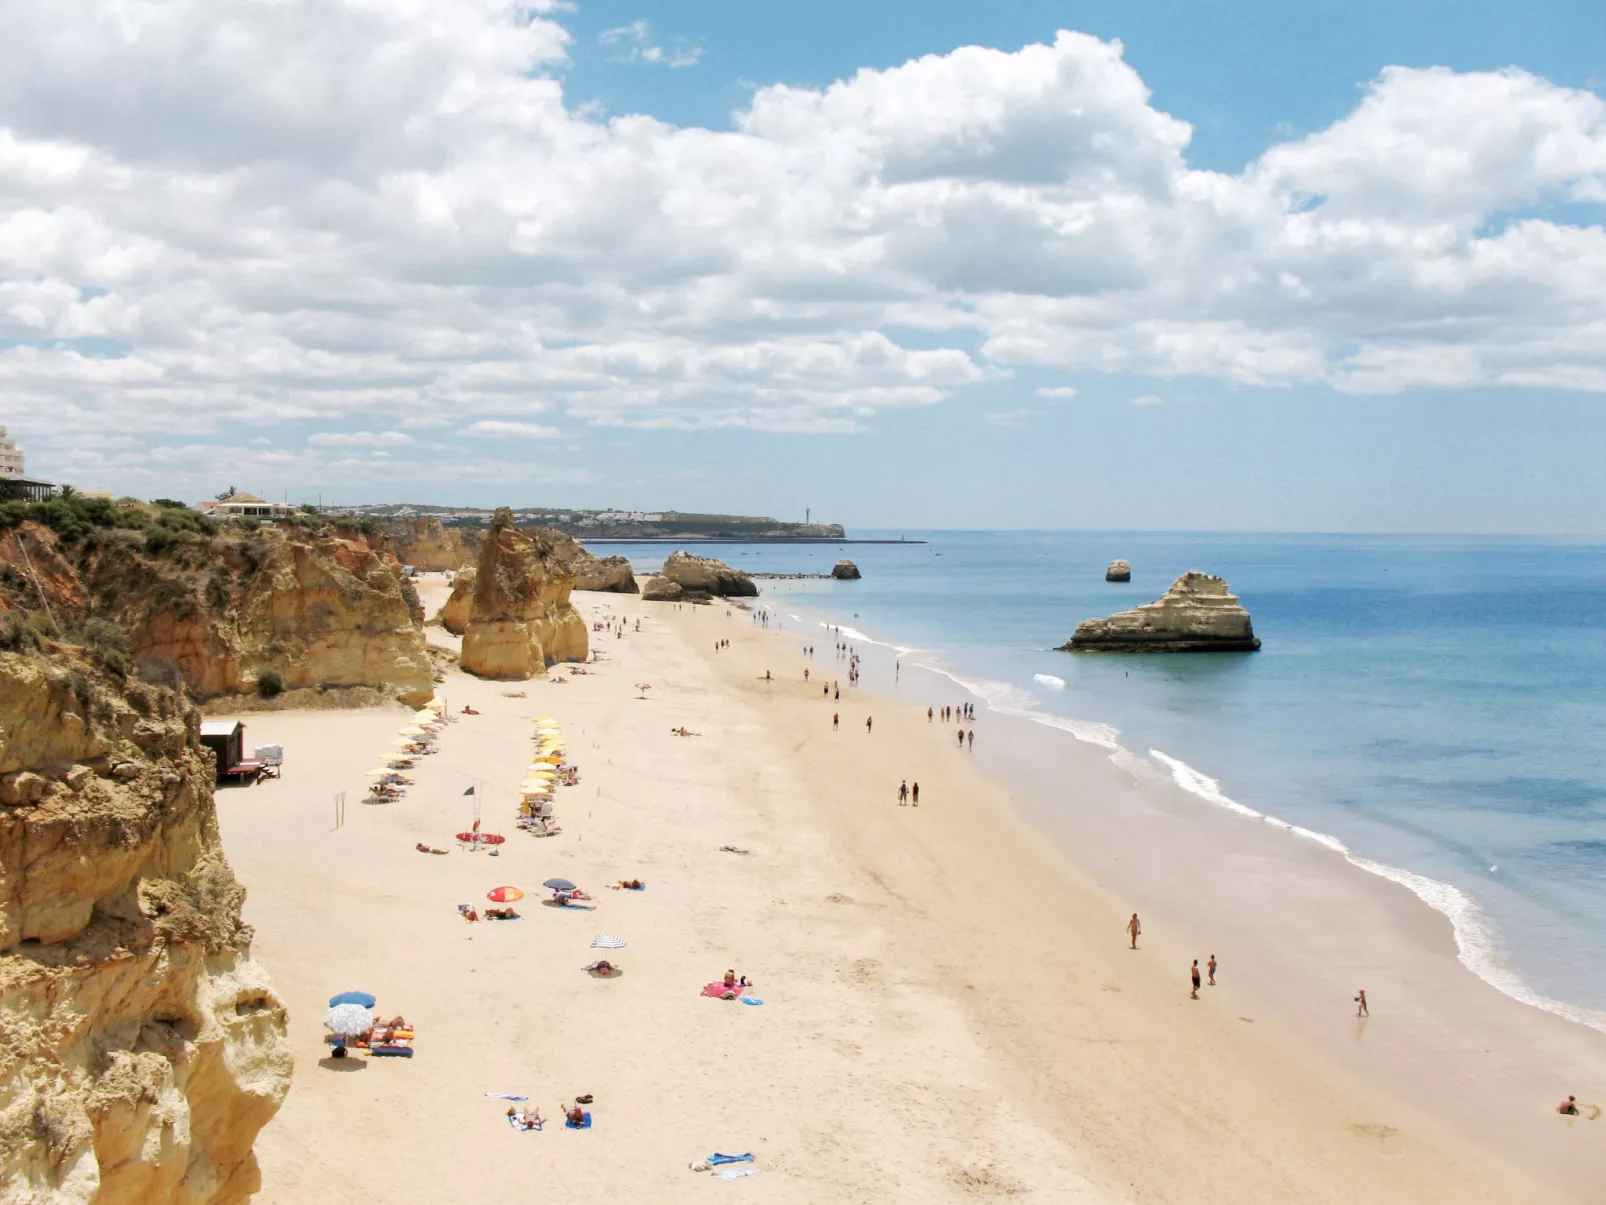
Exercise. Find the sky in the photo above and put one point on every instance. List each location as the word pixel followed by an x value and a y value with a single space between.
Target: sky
pixel 950 264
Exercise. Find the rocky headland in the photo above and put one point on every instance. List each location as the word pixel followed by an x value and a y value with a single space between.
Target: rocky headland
pixel 1197 614
pixel 520 619
pixel 707 576
pixel 231 612
pixel 141 1049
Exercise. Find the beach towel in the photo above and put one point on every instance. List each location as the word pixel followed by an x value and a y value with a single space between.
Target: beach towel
pixel 392 1052
pixel 736 1173
pixel 584 1125
pixel 520 916
pixel 719 991
pixel 716 1159
pixel 508 1096
pixel 754 1000
pixel 521 1125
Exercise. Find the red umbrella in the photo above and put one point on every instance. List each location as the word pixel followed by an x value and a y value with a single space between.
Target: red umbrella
pixel 504 895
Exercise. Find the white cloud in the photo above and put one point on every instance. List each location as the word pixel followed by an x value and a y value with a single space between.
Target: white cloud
pixel 491 428
pixel 631 42
pixel 345 213
pixel 359 439
pixel 1145 399
pixel 1060 392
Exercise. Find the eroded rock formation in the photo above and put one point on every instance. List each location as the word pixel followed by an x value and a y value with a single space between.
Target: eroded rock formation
pixel 520 618
pixel 1118 571
pixel 846 571
pixel 609 574
pixel 706 575
pixel 661 589
pixel 456 610
pixel 141 1049
pixel 426 544
pixel 320 611
pixel 1197 614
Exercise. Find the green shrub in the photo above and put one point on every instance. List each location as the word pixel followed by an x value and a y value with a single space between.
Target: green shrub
pixel 159 539
pixel 170 504
pixel 13 513
pixel 269 684
pixel 109 646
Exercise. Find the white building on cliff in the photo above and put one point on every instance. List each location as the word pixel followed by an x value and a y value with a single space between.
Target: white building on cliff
pixel 10 457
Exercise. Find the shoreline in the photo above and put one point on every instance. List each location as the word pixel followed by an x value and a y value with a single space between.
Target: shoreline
pixel 1516 1024
pixel 950 1008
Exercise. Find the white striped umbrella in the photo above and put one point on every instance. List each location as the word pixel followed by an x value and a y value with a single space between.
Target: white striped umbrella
pixel 607 941
pixel 348 1020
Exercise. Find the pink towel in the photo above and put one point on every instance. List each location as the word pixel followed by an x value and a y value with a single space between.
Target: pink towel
pixel 719 990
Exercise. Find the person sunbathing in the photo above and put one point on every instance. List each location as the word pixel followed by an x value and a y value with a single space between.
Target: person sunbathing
pixel 629 885
pixel 575 1116
pixel 469 914
pixel 602 967
pixel 469 711
pixel 731 849
pixel 525 1119
pixel 732 981
pixel 501 914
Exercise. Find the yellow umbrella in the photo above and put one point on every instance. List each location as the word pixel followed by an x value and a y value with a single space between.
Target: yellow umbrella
pixel 551 761
pixel 545 719
pixel 403 776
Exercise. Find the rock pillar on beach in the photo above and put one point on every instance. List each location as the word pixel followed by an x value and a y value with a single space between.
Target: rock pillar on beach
pixel 661 589
pixel 846 571
pixel 455 614
pixel 1119 571
pixel 520 618
pixel 1199 614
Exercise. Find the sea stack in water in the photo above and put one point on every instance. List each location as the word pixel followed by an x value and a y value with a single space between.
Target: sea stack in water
pixel 846 571
pixel 520 617
pixel 1119 571
pixel 705 575
pixel 1199 614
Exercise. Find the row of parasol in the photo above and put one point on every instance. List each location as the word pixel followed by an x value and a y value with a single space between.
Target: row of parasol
pixel 416 738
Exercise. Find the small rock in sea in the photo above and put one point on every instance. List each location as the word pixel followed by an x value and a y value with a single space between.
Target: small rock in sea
pixel 1199 614
pixel 846 571
pixel 1119 571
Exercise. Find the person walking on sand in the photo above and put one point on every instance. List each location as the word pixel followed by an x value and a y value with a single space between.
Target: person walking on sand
pixel 805 673
pixel 961 738
pixel 903 793
pixel 928 715
pixel 868 721
pixel 1133 929
pixel 914 791
pixel 1360 1004
pixel 972 738
pixel 1210 968
pixel 836 717
pixel 1194 995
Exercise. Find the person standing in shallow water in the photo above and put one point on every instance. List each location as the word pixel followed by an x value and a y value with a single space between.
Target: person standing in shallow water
pixel 972 738
pixel 1133 929
pixel 836 717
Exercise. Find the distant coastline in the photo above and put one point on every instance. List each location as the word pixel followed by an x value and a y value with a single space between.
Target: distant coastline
pixel 733 540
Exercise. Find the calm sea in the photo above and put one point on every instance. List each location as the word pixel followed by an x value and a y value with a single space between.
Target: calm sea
pixel 1432 705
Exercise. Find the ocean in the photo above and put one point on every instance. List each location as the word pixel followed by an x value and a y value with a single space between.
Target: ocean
pixel 1428 706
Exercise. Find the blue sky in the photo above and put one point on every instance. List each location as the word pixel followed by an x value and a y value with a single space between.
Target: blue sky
pixel 1261 267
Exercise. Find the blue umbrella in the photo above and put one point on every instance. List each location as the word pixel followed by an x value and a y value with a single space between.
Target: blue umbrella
pixel 361 998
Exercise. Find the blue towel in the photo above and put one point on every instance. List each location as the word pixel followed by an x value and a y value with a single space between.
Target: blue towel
pixel 716 1160
pixel 508 1096
pixel 750 1000
pixel 584 1125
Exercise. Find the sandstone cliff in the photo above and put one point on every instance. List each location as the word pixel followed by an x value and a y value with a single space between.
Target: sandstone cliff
pixel 319 611
pixel 1197 614
pixel 705 575
pixel 141 1049
pixel 520 618
pixel 427 544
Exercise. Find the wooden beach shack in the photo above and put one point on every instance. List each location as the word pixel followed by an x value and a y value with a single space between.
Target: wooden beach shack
pixel 226 740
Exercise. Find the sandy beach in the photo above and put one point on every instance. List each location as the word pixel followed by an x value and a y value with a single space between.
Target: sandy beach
pixel 950 1008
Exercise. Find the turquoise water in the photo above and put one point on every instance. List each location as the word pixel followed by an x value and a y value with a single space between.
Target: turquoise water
pixel 1433 704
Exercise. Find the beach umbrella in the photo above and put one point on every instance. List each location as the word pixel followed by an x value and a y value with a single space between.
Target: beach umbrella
pixel 481 838
pixel 504 895
pixel 361 999
pixel 349 1020
pixel 607 941
pixel 643 687
pixel 545 719
pixel 560 885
